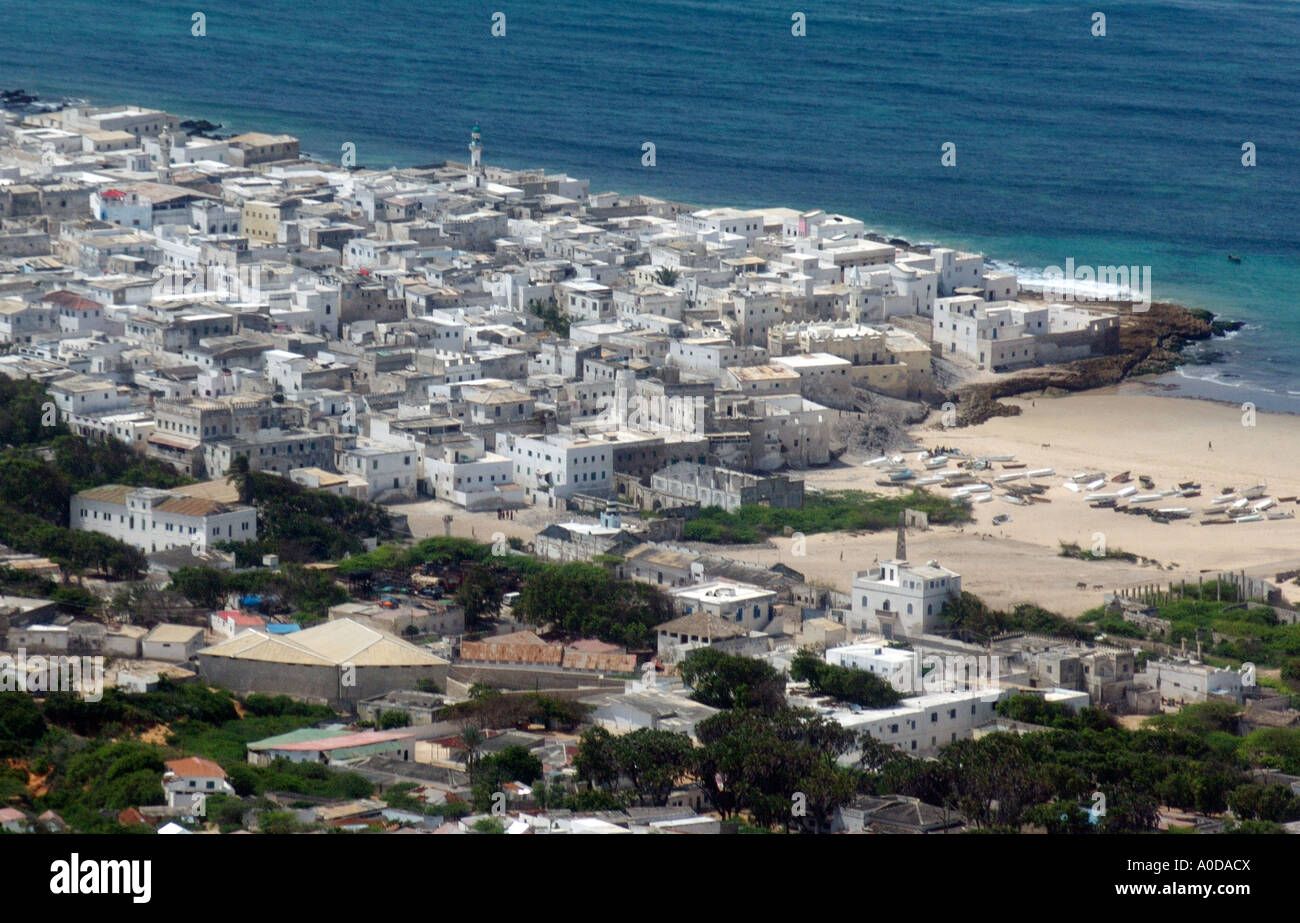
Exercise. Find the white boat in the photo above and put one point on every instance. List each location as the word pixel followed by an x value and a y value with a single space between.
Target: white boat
pixel 1253 517
pixel 938 461
pixel 1226 498
pixel 1095 485
pixel 1175 512
pixel 1070 486
pixel 1281 514
pixel 1013 500
pixel 1144 498
pixel 897 459
pixel 1004 478
pixel 998 458
pixel 979 498
pixel 927 481
pixel 875 462
pixel 972 489
pixel 1126 491
pixel 1040 472
pixel 1254 493
pixel 1239 504
pixel 1260 505
pixel 1093 498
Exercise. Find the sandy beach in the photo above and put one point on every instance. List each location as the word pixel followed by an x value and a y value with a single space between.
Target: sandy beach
pixel 1110 430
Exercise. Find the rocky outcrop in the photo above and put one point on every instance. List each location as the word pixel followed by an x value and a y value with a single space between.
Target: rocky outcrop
pixel 1150 342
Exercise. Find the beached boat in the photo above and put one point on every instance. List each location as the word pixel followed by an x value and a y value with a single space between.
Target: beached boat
pixel 1040 472
pixel 1004 478
pixel 1260 505
pixel 1253 517
pixel 1281 514
pixel 1128 491
pixel 1190 492
pixel 875 462
pixel 1225 499
pixel 1175 512
pixel 1146 482
pixel 1095 485
pixel 1144 498
pixel 1238 504
pixel 939 461
pixel 905 475
pixel 1013 500
pixel 1104 503
pixel 998 458
pixel 972 489
pixel 1122 478
pixel 1252 493
pixel 928 480
pixel 1071 486
pixel 979 498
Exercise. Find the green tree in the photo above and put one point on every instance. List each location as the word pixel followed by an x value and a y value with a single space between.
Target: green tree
pixel 654 761
pixel 730 681
pixel 480 594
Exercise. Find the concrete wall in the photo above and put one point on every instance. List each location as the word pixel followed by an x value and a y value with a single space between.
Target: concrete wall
pixel 315 683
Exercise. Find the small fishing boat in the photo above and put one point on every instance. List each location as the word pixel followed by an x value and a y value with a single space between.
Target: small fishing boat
pixel 939 461
pixel 1004 478
pixel 1226 498
pixel 1175 512
pixel 905 475
pixel 875 462
pixel 1122 478
pixel 1126 491
pixel 1040 472
pixel 1254 493
pixel 1260 505
pixel 1233 258
pixel 1253 517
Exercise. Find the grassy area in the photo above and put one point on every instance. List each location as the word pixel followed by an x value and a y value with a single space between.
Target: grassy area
pixel 1072 550
pixel 828 511
pixel 1253 635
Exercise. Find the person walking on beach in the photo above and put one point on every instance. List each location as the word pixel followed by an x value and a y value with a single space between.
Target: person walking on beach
pixel 1211 446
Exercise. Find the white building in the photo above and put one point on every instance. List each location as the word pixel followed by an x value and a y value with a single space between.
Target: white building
pixel 391 471
pixel 158 520
pixel 466 474
pixel 555 467
pixel 740 603
pixel 896 666
pixel 897 599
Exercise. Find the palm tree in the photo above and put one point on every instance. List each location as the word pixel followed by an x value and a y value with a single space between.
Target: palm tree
pixel 666 277
pixel 242 478
pixel 472 740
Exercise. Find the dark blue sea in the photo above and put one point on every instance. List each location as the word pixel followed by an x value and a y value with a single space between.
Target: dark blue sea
pixel 1117 149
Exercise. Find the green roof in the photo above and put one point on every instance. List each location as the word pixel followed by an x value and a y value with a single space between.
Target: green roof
pixel 296 737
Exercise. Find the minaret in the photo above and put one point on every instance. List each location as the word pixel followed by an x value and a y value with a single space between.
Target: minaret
pixel 900 551
pixel 165 156
pixel 476 157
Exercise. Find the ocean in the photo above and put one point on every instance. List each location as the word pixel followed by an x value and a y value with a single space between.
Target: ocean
pixel 1124 148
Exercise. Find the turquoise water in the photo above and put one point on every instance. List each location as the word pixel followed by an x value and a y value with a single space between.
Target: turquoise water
pixel 1117 149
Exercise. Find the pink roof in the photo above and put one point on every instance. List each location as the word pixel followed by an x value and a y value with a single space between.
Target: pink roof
pixel 242 618
pixel 8 814
pixel 360 739
pixel 195 766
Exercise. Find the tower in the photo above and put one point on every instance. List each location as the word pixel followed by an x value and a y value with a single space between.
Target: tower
pixel 165 155
pixel 476 156
pixel 900 551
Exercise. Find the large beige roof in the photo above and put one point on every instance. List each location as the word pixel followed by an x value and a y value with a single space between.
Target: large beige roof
pixel 332 644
